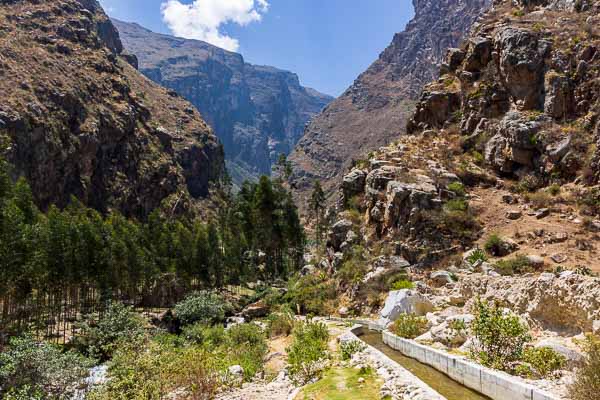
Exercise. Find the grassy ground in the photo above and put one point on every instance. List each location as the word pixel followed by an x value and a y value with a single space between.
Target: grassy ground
pixel 342 384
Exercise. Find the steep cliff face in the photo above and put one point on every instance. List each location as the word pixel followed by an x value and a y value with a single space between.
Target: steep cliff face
pixel 83 122
pixel 258 112
pixel 375 109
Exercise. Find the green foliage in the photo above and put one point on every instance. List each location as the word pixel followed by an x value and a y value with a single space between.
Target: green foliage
pixel 520 264
pixel 308 352
pixel 201 334
pixel 458 189
pixel 118 324
pixel 317 209
pixel 500 337
pixel 310 294
pixel 554 189
pixel 457 220
pixel 409 326
pixel 477 255
pixel 281 323
pixel 202 306
pixel 492 244
pixel 348 348
pixel 587 378
pixel 247 348
pixel 31 370
pixel 153 370
pixel 156 260
pixel 402 284
pixel 354 266
pixel 543 360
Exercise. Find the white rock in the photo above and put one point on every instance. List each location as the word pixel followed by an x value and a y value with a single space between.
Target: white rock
pixel 405 301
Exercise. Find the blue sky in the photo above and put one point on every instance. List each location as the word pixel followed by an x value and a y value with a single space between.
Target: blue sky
pixel 328 43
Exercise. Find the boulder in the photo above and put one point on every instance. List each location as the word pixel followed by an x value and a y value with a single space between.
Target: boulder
pixel 339 232
pixel 514 214
pixel 255 310
pixel 454 58
pixel 479 54
pixel 441 278
pixel 559 95
pixel 433 110
pixel 307 270
pixel 353 183
pixel 522 65
pixel 405 301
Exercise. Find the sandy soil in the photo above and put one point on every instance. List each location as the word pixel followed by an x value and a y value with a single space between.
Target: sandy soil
pixel 539 236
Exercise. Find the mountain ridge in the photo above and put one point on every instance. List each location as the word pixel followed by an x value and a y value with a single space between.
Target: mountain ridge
pixel 257 111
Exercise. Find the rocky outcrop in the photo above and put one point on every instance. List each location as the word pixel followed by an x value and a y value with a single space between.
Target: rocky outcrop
pixel 258 112
pixel 568 303
pixel 83 122
pixel 375 109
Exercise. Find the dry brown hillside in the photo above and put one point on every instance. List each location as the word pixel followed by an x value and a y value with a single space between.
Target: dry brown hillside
pixel 83 122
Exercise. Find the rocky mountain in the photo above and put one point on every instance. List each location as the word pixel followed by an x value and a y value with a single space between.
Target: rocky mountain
pixel 498 170
pixel 81 121
pixel 258 112
pixel 375 109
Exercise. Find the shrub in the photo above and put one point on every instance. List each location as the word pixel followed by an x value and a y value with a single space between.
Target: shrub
pixel 500 337
pixel 281 323
pixel 457 219
pixel 250 334
pixel 310 294
pixel 156 369
pixel 539 199
pixel 402 284
pixel 458 189
pixel 210 336
pixel 348 348
pixel 554 189
pixel 247 348
pixel 543 360
pixel 409 326
pixel 587 379
pixel 118 324
pixel 477 255
pixel 203 306
pixel 308 352
pixel 31 370
pixel 518 265
pixel 493 245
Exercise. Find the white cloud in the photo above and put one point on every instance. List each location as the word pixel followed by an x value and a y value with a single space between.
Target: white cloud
pixel 202 19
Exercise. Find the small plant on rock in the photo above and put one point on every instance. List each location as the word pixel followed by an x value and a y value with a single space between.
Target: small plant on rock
pixel 476 256
pixel 543 360
pixel 349 348
pixel 457 188
pixel 500 336
pixel 402 284
pixel 409 326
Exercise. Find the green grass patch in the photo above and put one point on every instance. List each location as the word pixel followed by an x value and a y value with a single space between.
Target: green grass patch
pixel 342 384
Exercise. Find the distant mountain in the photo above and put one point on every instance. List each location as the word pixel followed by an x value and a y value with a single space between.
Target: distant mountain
pixel 375 109
pixel 81 121
pixel 258 112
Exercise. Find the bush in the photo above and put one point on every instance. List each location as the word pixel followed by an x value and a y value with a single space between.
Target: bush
pixel 409 326
pixel 310 294
pixel 281 323
pixel 518 265
pixel 500 338
pixel 458 189
pixel 587 379
pixel 156 369
pixel 348 348
pixel 457 220
pixel 118 324
pixel 493 245
pixel 210 336
pixel 31 370
pixel 308 353
pixel 402 284
pixel 247 348
pixel 539 199
pixel 543 360
pixel 203 306
pixel 477 255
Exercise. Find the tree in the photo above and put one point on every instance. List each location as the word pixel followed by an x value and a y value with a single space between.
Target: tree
pixel 317 208
pixel 283 167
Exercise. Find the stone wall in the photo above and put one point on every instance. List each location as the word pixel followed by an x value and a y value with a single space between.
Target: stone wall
pixel 494 384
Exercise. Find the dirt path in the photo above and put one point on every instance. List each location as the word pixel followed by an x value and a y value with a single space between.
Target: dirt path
pixel 560 233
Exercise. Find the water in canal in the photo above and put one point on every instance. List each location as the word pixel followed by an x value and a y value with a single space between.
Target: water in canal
pixel 438 381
